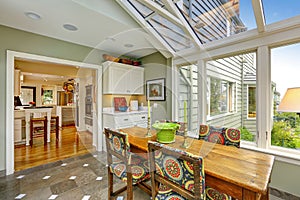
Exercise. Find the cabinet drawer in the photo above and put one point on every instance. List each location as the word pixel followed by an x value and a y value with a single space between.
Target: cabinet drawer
pixel 139 117
pixel 123 119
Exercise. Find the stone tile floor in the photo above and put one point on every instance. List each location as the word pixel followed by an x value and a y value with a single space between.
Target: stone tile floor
pixel 83 178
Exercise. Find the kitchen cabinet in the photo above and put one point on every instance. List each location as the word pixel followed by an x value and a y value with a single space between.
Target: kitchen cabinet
pixel 124 120
pixel 120 78
pixel 66 115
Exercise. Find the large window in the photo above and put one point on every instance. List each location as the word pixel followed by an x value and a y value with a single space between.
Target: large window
pixel 285 74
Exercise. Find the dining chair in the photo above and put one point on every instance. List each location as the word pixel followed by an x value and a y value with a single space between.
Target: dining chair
pixel 34 123
pixel 220 135
pixel 223 136
pixel 175 174
pixel 131 168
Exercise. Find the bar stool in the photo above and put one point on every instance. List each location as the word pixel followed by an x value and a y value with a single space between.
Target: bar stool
pixel 32 121
pixel 56 121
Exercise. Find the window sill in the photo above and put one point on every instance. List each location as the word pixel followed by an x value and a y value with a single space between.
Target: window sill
pixel 220 116
pixel 281 154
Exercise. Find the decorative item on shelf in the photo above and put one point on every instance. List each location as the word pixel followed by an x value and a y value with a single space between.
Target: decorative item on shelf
pixel 125 60
pixel 110 58
pixel 165 131
pixel 120 102
pixel 185 143
pixel 123 108
pixel 68 86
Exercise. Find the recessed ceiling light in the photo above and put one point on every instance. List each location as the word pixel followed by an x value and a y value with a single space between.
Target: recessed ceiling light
pixel 70 27
pixel 128 45
pixel 33 15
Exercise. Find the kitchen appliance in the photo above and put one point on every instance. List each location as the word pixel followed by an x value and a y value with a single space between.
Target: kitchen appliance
pixel 134 105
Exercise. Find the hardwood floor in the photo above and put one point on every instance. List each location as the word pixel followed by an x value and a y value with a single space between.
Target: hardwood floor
pixel 71 143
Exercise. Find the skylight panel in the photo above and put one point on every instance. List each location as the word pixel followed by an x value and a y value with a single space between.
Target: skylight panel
pixel 173 35
pixel 279 10
pixel 143 10
pixel 217 19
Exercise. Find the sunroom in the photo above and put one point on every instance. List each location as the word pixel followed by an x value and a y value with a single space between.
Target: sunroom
pixel 232 62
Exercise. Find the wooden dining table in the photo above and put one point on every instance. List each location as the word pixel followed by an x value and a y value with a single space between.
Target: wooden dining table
pixel 240 173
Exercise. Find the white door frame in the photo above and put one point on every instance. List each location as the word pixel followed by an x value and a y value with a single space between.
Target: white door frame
pixel 10 58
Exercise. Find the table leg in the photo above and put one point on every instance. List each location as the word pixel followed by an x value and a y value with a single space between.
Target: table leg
pixel 27 124
pixel 48 126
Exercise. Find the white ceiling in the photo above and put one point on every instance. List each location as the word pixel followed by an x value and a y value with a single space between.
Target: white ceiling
pixel 102 24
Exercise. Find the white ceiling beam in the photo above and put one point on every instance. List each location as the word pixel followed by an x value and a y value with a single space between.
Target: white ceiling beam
pixel 159 10
pixel 259 15
pixel 156 40
pixel 186 25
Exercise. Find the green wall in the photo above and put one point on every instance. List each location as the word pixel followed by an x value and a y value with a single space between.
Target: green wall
pixel 156 66
pixel 16 40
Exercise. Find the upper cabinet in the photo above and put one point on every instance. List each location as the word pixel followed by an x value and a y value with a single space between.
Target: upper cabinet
pixel 120 78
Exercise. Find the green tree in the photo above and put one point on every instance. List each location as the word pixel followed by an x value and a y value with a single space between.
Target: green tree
pixel 282 135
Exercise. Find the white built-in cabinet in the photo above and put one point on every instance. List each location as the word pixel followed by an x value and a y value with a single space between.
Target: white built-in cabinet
pixel 125 120
pixel 120 78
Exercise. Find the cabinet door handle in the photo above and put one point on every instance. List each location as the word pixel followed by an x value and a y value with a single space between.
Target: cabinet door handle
pixel 144 117
pixel 125 119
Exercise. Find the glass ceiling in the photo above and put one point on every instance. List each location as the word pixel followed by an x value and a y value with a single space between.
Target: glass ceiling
pixel 279 10
pixel 183 24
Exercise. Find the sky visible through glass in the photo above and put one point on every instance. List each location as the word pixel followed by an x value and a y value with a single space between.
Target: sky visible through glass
pixel 285 61
pixel 285 66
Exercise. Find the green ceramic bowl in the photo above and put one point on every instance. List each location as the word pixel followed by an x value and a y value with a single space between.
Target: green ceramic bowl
pixel 165 131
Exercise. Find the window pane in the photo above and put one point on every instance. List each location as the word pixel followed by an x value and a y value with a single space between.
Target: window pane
pixel 214 20
pixel 280 10
pixel 228 80
pixel 172 34
pixel 251 102
pixel 285 74
pixel 47 97
pixel 218 96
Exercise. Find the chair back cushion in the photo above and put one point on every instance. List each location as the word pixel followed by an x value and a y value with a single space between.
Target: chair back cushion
pixel 220 135
pixel 116 143
pixel 177 167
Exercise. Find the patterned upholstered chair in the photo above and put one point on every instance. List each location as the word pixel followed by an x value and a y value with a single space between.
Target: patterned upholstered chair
pixel 220 135
pixel 133 169
pixel 224 136
pixel 175 174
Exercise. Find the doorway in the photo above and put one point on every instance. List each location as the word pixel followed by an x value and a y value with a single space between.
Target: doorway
pixel 11 57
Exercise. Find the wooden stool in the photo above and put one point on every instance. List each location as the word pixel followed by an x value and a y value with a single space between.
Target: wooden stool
pixel 56 118
pixel 33 120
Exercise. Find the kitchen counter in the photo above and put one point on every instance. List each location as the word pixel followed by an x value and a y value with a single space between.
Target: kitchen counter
pixel 117 113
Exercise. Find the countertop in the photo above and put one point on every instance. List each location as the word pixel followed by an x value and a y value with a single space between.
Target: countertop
pixel 125 113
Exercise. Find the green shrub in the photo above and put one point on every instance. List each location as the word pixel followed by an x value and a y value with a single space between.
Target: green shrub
pixel 246 135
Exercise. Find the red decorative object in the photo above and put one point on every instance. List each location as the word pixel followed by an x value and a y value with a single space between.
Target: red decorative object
pixel 119 102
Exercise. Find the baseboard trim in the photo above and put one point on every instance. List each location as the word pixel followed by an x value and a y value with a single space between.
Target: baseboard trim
pixel 282 194
pixel 2 173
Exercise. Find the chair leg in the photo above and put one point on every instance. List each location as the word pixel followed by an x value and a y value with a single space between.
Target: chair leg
pixel 110 183
pixel 31 133
pixel 129 186
pixel 57 128
pixel 45 130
